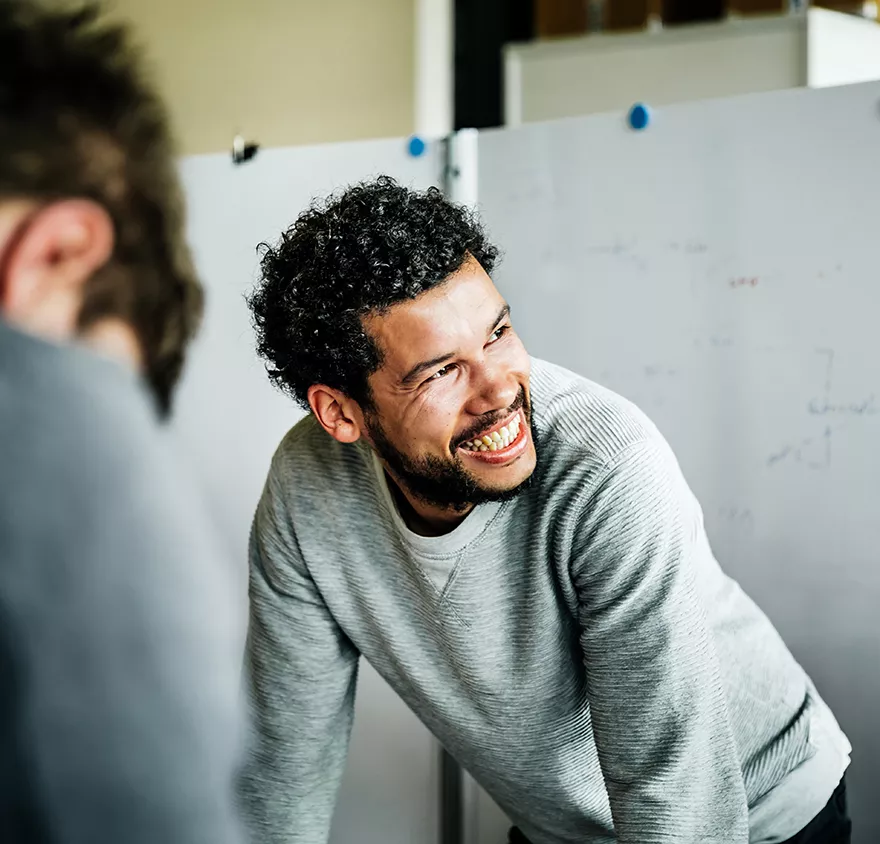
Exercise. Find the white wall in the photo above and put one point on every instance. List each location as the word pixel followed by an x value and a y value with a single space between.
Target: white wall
pixel 610 72
pixel 843 49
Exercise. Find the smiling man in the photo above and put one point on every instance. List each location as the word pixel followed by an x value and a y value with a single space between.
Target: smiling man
pixel 515 550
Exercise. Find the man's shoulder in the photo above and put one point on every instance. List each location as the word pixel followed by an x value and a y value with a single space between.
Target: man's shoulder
pixel 304 438
pixel 70 420
pixel 576 416
pixel 309 459
pixel 593 442
pixel 93 484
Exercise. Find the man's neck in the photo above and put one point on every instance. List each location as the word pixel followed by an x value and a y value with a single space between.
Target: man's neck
pixel 116 339
pixel 421 518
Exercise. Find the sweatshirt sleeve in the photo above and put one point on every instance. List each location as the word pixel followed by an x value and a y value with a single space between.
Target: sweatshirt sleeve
pixel 657 703
pixel 301 671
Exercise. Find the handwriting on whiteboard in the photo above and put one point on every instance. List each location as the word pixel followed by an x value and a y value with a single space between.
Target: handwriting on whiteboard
pixel 692 246
pixel 721 341
pixel 616 247
pixel 812 452
pixel 660 371
pixel 824 407
pixel 743 281
pixel 627 249
pixel 737 516
pixel 622 249
pixel 816 452
pixel 717 341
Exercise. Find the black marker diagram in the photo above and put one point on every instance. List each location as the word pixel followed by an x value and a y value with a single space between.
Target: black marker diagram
pixel 816 452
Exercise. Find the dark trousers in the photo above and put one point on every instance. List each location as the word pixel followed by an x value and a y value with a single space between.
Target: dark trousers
pixel 831 826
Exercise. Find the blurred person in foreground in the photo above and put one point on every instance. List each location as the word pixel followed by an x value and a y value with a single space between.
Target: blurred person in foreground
pixel 515 550
pixel 119 714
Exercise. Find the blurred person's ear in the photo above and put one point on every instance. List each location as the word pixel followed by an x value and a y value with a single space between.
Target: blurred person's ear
pixel 48 261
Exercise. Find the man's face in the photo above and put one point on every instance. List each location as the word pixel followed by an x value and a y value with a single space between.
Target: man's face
pixel 454 375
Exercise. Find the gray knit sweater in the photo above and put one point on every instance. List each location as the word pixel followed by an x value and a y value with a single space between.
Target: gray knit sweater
pixel 578 649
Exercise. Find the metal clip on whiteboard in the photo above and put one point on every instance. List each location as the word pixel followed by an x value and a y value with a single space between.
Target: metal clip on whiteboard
pixel 460 183
pixel 243 151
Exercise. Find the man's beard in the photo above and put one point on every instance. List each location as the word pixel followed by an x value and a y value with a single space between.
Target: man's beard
pixel 446 483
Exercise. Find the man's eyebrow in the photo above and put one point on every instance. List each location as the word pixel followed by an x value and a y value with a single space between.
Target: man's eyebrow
pixel 420 368
pixel 502 315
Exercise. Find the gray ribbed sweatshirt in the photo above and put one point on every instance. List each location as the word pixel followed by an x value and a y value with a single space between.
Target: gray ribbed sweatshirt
pixel 578 649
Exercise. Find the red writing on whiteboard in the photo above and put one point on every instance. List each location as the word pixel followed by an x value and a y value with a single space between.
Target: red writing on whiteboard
pixel 744 281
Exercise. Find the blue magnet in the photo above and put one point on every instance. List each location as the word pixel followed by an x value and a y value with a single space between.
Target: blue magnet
pixel 416 146
pixel 639 117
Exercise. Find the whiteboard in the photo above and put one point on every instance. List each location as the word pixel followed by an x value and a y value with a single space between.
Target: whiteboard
pixel 231 420
pixel 720 269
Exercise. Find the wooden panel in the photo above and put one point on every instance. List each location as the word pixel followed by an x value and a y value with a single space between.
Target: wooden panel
pixel 629 14
pixel 847 6
pixel 560 17
pixel 692 11
pixel 757 7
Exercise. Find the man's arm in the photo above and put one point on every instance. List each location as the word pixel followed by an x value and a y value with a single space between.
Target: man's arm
pixel 658 707
pixel 302 673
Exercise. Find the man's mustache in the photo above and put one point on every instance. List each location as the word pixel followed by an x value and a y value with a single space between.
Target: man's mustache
pixel 492 419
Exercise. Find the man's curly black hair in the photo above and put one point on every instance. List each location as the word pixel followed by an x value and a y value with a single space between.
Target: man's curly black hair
pixel 356 253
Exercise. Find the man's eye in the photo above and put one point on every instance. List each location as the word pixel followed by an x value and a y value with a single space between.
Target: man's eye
pixel 498 333
pixel 441 373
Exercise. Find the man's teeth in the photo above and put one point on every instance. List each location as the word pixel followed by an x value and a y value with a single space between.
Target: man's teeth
pixel 495 440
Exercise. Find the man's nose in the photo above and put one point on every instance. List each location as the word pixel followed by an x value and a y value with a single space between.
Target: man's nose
pixel 494 390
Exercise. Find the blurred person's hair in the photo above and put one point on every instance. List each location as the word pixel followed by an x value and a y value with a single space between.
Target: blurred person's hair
pixel 79 120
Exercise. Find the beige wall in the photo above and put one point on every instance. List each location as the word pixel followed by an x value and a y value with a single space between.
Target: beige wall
pixel 281 72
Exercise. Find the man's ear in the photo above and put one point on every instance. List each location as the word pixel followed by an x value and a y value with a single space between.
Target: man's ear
pixel 63 246
pixel 337 414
